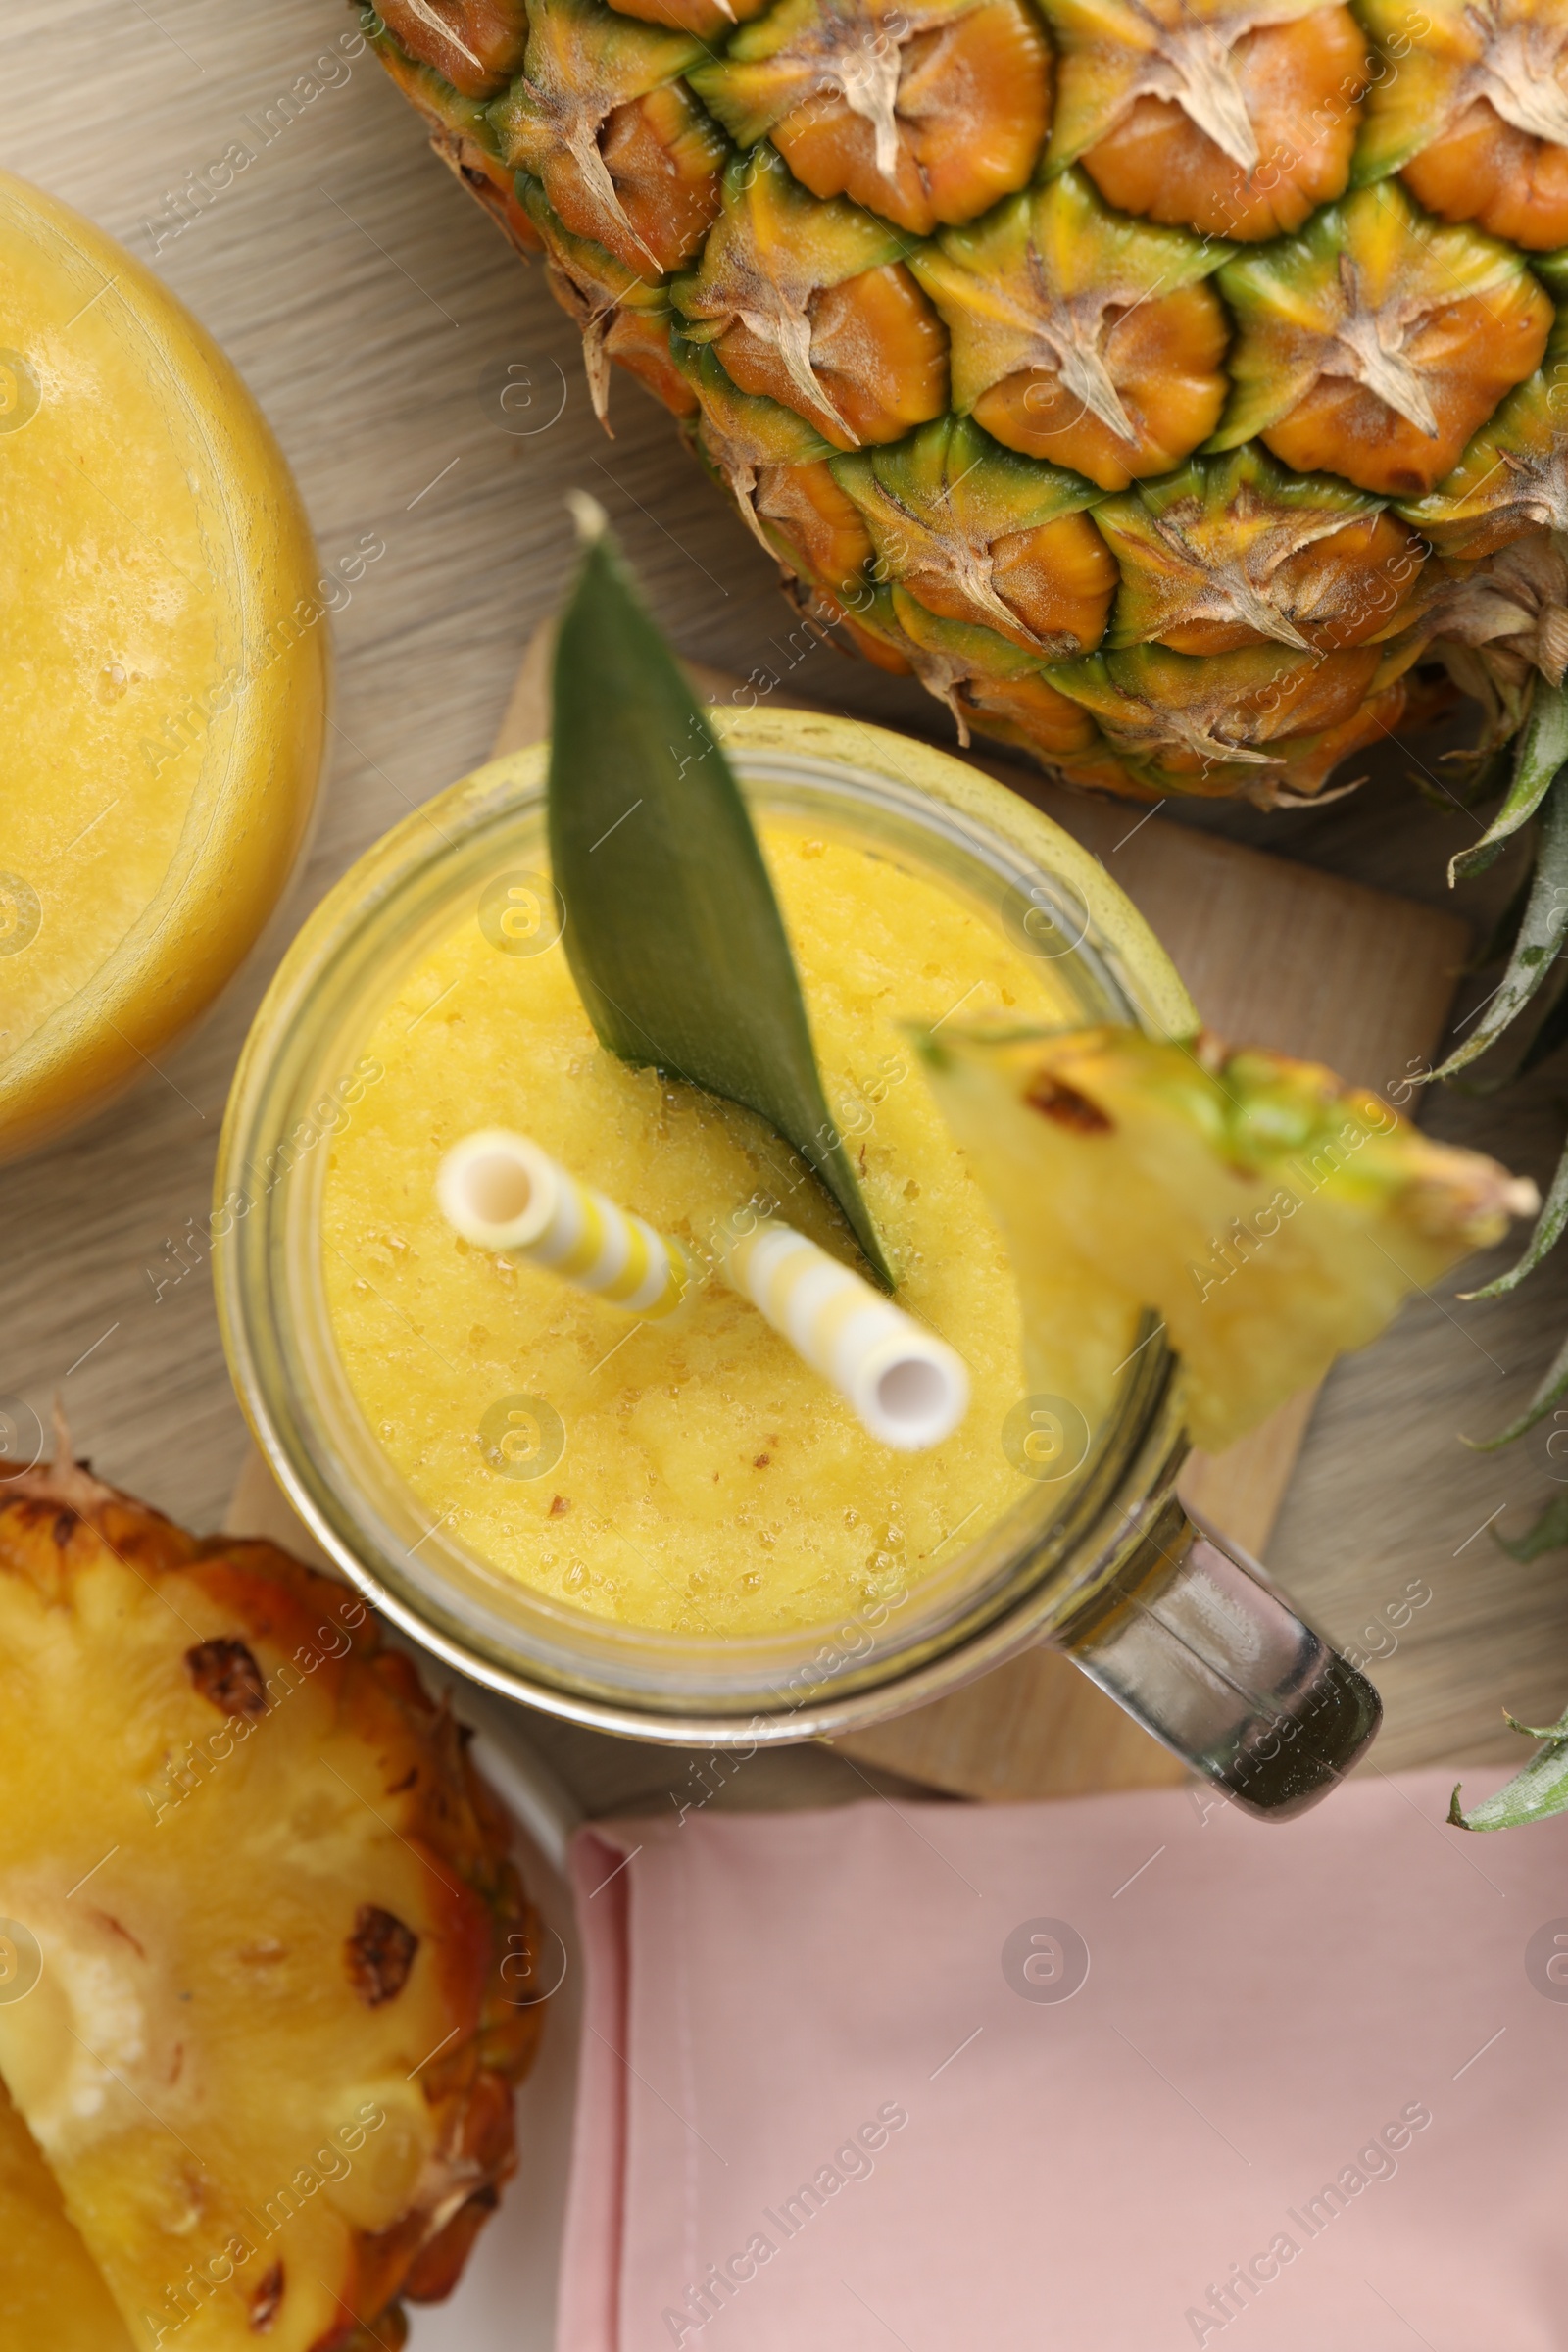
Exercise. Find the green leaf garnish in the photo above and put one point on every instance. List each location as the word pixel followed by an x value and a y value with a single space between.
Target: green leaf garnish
pixel 674 933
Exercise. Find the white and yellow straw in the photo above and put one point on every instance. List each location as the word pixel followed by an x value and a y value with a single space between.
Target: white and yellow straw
pixel 903 1384
pixel 907 1387
pixel 501 1192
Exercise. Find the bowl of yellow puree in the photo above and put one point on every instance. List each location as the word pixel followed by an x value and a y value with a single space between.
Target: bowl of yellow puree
pixel 674 1529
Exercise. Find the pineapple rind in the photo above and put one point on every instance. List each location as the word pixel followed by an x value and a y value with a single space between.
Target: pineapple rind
pixel 844 88
pixel 582 63
pixel 477 44
pixel 941 509
pixel 1410 101
pixel 1236 542
pixel 1294 299
pixel 789 56
pixel 986 279
pixel 614 283
pixel 1513 477
pixel 1458 80
pixel 772 228
pixel 430 91
pixel 1108 45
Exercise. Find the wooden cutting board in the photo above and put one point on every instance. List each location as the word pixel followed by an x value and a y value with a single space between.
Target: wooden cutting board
pixel 1273 952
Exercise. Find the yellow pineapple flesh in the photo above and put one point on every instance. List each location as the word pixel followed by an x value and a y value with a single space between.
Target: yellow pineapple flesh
pixel 268 2051
pixel 51 2293
pixel 1269 1218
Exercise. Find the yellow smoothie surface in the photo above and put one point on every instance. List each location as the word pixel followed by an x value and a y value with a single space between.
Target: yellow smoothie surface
pixel 701 1478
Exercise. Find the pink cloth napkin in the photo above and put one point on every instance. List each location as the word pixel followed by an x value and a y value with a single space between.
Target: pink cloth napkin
pixel 847 2084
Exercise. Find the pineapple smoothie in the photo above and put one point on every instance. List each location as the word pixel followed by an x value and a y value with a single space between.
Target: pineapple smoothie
pixel 691 1475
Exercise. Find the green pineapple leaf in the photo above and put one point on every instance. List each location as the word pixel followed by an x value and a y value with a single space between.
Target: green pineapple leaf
pixel 1550 1534
pixel 1545 1235
pixel 1533 1794
pixel 1540 933
pixel 674 933
pixel 1553 1387
pixel 1542 754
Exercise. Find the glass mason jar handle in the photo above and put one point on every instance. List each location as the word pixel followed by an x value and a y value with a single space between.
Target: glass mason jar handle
pixel 1195 1642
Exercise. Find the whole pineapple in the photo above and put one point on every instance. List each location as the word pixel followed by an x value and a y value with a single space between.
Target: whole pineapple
pixel 1149 376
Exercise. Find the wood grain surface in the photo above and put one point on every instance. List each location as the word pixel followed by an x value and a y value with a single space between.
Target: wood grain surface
pixel 376 315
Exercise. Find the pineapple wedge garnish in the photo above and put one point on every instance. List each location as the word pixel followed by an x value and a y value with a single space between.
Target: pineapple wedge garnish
pixel 257 1907
pixel 1270 1218
pixel 50 2293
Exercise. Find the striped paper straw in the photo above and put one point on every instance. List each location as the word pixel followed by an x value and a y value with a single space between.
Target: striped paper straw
pixel 501 1192
pixel 907 1385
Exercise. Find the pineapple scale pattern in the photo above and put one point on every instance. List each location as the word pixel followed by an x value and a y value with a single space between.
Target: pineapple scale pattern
pixel 1159 380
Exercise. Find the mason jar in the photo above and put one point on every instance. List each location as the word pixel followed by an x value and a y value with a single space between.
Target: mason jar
pixel 1098 1556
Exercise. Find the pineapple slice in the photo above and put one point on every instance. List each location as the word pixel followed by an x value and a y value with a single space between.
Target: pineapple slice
pixel 269 2052
pixel 1269 1217
pixel 50 2293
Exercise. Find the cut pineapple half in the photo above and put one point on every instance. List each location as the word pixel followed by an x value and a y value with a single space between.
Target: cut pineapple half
pixel 260 1907
pixel 50 2292
pixel 1269 1218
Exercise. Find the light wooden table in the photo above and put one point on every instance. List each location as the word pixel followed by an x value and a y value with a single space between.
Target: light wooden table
pixel 376 315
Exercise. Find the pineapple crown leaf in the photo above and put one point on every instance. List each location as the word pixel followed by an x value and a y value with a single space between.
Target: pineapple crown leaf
pixel 1552 1388
pixel 1543 925
pixel 1546 1234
